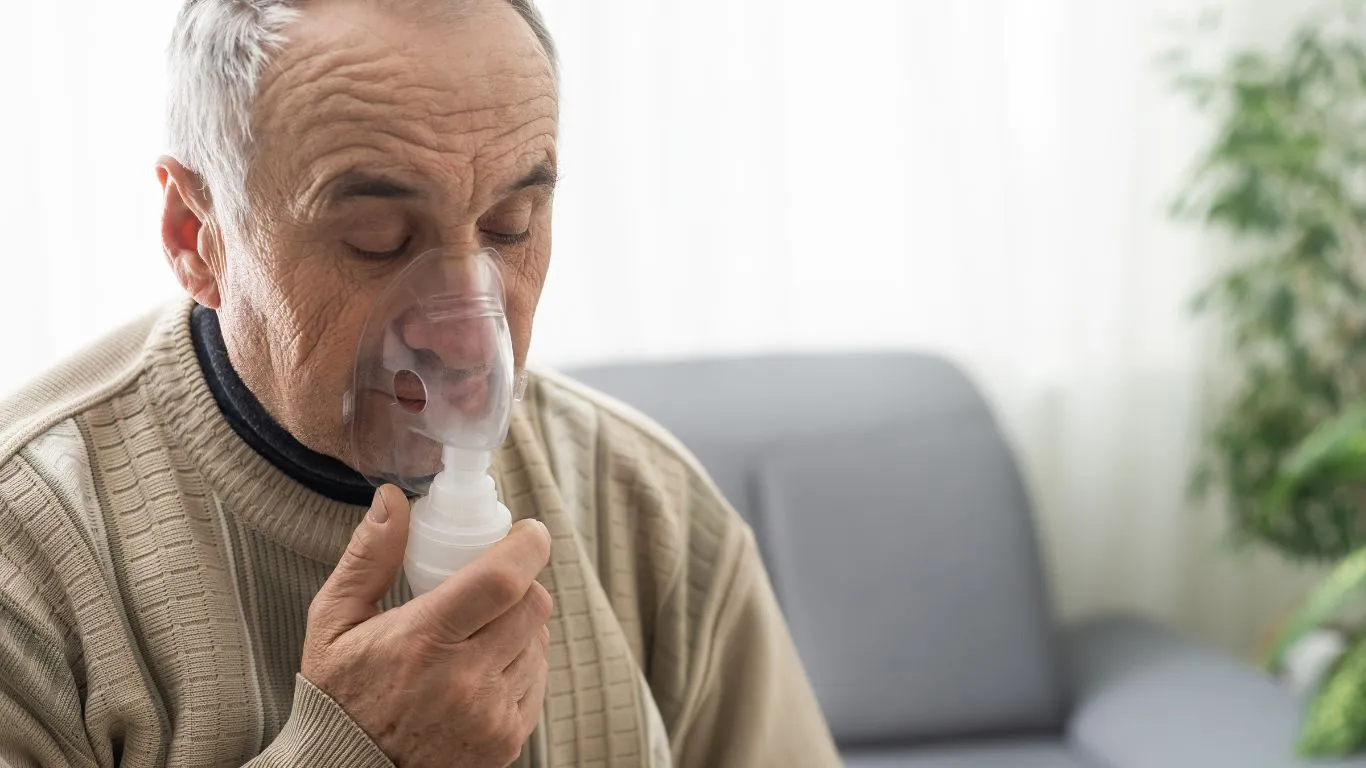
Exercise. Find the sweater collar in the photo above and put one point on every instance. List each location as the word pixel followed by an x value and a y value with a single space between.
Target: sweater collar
pixel 258 491
pixel 249 419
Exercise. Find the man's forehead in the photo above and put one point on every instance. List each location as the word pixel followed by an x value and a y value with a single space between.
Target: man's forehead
pixel 481 60
pixel 355 82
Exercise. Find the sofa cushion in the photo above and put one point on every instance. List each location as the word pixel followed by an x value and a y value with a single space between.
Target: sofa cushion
pixel 728 410
pixel 911 581
pixel 1146 696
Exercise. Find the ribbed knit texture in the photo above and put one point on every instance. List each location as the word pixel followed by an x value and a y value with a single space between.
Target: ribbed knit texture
pixel 155 577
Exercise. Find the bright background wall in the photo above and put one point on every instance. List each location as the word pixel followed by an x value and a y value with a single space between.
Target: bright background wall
pixel 982 178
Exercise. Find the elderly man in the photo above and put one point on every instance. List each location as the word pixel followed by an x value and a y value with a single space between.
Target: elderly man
pixel 192 570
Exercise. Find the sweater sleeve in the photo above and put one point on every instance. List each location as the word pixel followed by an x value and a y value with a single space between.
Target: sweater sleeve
pixel 50 670
pixel 752 704
pixel 319 733
pixel 41 723
pixel 45 731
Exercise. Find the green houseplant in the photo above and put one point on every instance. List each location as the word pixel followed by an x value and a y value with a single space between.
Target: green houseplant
pixel 1284 182
pixel 1333 455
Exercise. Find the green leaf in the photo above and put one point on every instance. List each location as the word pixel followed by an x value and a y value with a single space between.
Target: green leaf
pixel 1335 722
pixel 1283 180
pixel 1335 451
pixel 1346 581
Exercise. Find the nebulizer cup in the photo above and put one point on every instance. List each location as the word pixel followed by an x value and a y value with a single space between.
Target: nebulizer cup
pixel 432 397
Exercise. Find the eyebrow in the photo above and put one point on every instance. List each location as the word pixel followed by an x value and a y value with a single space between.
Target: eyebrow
pixel 542 175
pixel 354 183
pixel 361 184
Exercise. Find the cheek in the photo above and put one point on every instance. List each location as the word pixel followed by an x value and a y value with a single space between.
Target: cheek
pixel 311 313
pixel 523 284
pixel 520 317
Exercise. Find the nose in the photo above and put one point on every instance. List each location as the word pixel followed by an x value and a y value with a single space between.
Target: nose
pixel 456 312
pixel 457 343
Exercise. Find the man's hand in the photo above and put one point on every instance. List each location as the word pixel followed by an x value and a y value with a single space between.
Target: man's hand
pixel 455 677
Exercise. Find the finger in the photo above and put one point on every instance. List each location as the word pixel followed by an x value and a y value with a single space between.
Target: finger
pixel 531 702
pixel 525 670
pixel 505 637
pixel 486 588
pixel 367 568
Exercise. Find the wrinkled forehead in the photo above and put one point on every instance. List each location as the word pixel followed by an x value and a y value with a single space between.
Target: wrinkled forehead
pixel 460 99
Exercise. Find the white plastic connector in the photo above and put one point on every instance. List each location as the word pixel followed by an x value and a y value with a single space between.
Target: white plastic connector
pixel 458 519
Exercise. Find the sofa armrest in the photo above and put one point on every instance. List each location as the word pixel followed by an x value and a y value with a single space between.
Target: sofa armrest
pixel 1144 697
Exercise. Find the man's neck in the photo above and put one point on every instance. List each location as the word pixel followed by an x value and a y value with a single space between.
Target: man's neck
pixel 249 419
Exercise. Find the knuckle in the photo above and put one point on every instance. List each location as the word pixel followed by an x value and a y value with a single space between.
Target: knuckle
pixel 468 684
pixel 360 549
pixel 436 639
pixel 504 584
pixel 509 743
pixel 542 604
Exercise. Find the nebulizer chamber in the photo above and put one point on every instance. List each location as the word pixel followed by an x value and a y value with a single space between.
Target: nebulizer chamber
pixel 433 390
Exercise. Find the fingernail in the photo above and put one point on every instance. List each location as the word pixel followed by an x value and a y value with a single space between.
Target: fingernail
pixel 544 530
pixel 379 510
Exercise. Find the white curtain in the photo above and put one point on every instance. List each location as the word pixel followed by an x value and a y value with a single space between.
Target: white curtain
pixel 80 130
pixel 982 178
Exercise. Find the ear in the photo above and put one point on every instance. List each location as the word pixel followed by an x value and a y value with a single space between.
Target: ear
pixel 188 235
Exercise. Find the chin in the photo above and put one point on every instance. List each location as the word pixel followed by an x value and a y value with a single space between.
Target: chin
pixel 330 440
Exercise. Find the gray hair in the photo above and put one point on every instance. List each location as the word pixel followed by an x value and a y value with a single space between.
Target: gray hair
pixel 218 52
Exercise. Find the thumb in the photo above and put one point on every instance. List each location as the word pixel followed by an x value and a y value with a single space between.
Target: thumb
pixel 369 564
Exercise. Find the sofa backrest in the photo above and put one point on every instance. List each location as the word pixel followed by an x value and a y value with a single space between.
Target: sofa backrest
pixel 894 525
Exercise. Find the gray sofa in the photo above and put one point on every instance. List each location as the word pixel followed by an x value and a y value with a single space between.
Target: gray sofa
pixel 898 534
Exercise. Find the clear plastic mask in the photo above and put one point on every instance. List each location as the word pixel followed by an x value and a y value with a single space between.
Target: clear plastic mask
pixel 434 368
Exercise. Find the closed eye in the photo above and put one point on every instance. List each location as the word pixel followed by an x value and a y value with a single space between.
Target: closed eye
pixel 503 238
pixel 382 255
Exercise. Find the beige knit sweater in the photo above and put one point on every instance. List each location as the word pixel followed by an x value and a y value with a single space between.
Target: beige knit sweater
pixel 155 574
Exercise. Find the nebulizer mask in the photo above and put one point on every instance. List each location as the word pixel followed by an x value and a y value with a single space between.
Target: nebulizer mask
pixel 431 399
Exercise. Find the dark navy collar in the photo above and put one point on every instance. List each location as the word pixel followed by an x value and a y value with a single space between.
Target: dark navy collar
pixel 249 419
